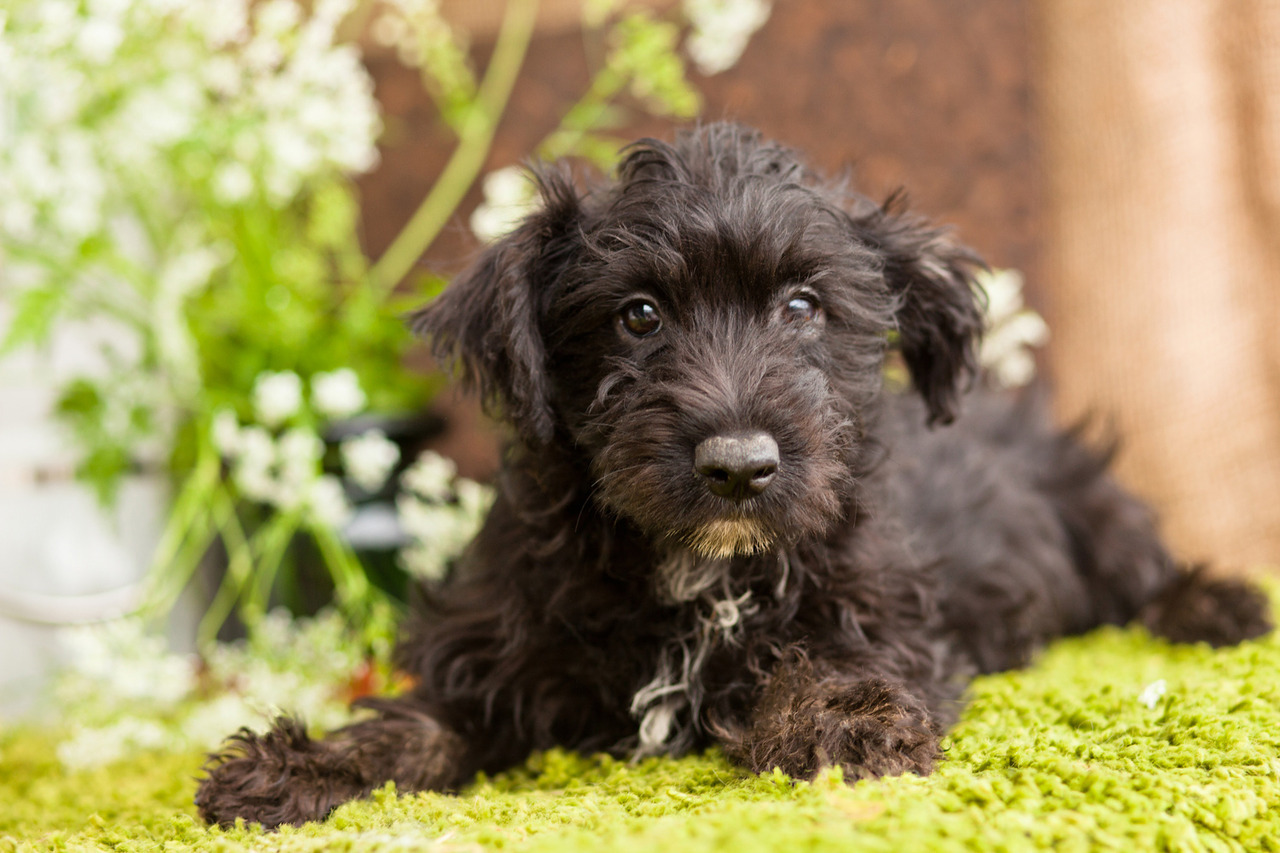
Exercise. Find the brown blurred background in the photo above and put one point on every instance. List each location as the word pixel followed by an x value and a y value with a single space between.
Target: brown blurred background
pixel 1121 155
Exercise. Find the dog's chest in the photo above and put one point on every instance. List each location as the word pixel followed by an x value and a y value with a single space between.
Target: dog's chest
pixel 711 609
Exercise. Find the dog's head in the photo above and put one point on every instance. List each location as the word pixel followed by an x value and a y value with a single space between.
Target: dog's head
pixel 708 334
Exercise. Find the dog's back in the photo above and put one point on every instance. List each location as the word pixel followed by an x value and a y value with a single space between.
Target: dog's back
pixel 1030 537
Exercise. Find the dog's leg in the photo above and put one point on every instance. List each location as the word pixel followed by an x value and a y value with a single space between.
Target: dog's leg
pixel 284 776
pixel 813 715
pixel 1129 573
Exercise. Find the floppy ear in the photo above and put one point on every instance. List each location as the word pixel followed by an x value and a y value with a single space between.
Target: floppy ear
pixel 939 305
pixel 486 320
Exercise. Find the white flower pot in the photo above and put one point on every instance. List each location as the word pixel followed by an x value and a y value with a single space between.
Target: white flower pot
pixel 64 558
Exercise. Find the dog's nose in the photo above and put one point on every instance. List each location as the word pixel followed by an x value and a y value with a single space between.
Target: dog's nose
pixel 737 467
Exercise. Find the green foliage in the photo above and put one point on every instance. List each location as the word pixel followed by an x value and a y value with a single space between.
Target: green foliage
pixel 644 51
pixel 190 179
pixel 36 310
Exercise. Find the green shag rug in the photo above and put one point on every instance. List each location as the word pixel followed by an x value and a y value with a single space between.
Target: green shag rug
pixel 1113 741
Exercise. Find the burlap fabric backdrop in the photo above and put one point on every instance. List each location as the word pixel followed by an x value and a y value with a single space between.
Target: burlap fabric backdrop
pixel 1162 128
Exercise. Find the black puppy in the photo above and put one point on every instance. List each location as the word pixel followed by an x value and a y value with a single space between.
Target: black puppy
pixel 714 526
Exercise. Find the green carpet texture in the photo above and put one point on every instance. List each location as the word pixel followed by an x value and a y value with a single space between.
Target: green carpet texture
pixel 1113 741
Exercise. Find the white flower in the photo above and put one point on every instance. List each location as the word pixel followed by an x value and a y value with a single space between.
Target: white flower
pixel 257 447
pixel 431 476
pixel 328 502
pixel 440 513
pixel 1011 331
pixel 232 183
pixel 123 660
pixel 99 39
pixel 96 747
pixel 368 459
pixel 223 22
pixel 207 724
pixel 275 17
pixel 1151 694
pixel 300 452
pixel 473 498
pixel 337 394
pixel 253 470
pixel 721 31
pixel 277 396
pixel 226 433
pixel 509 196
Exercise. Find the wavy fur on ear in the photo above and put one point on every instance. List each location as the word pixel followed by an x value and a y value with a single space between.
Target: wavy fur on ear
pixel 939 315
pixel 487 319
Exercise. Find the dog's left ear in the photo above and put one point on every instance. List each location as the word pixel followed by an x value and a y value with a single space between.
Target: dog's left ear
pixel 486 320
pixel 939 305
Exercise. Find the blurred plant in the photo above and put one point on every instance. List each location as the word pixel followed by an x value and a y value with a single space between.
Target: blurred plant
pixel 441 512
pixel 721 30
pixel 1012 331
pixel 182 172
pixel 123 691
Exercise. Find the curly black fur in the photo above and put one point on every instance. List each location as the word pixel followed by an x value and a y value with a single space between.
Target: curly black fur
pixel 613 602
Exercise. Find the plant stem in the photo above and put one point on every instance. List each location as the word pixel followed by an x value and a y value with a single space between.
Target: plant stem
pixel 583 116
pixel 474 142
pixel 275 537
pixel 349 580
pixel 186 535
pixel 239 567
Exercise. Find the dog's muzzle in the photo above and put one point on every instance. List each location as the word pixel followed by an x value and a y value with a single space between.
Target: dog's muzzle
pixel 737 467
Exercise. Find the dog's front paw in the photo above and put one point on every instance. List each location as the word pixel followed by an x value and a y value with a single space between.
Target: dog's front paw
pixel 869 729
pixel 282 777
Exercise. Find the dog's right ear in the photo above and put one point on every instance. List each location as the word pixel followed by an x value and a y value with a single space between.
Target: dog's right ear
pixel 939 304
pixel 487 319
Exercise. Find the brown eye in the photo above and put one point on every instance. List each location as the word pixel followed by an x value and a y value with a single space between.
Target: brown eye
pixel 641 318
pixel 800 310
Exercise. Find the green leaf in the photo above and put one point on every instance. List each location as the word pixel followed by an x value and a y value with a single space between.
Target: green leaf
pixel 37 308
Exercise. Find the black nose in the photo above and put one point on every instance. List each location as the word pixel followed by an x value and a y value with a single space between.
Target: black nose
pixel 737 466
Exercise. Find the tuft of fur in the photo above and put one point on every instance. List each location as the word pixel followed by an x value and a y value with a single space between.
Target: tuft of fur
pixel 1197 608
pixel 612 601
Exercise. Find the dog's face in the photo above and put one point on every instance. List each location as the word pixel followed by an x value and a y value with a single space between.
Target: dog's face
pixel 708 335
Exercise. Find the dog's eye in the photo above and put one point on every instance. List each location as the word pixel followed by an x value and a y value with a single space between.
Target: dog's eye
pixel 800 310
pixel 641 318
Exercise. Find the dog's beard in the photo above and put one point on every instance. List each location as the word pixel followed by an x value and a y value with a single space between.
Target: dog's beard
pixel 729 537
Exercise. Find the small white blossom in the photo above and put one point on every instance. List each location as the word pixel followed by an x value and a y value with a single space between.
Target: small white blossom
pixel 224 22
pixel 277 396
pixel 226 433
pixel 473 499
pixel 368 459
pixel 440 512
pixel 328 502
pixel 1152 692
pixel 1012 331
pixel 337 394
pixel 99 39
pixel 300 666
pixel 120 659
pixel 721 31
pixel 430 476
pixel 275 17
pixel 232 183
pixel 257 447
pixel 253 472
pixel 207 725
pixel 300 453
pixel 509 196
pixel 94 747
